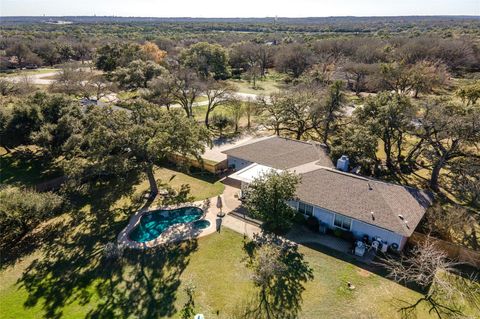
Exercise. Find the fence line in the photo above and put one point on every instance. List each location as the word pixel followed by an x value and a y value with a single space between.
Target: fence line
pixel 453 251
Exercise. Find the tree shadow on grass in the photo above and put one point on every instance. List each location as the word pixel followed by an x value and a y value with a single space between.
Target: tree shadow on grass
pixel 99 197
pixel 75 268
pixel 26 168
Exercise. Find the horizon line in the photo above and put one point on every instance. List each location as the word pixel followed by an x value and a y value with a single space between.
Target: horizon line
pixel 241 17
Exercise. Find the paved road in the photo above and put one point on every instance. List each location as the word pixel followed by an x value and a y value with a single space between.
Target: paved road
pixel 34 78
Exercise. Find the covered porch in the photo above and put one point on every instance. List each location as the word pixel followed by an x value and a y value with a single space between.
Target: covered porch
pixel 302 235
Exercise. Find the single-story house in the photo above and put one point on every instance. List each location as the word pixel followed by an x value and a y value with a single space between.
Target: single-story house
pixel 339 199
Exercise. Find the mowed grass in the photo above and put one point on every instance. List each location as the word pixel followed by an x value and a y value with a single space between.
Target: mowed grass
pixel 263 87
pixel 222 282
pixel 202 185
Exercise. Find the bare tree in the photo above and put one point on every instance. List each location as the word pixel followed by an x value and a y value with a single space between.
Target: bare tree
pixel 186 88
pixel 428 267
pixel 272 110
pixel 218 93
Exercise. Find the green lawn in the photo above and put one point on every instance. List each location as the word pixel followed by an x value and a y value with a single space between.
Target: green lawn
pixel 28 170
pixel 73 281
pixel 202 186
pixel 265 87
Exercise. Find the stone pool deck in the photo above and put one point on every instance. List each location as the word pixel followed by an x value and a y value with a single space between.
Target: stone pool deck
pixel 181 232
pixel 175 233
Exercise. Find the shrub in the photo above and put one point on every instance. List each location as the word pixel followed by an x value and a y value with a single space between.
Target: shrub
pixel 313 223
pixel 299 219
pixel 337 232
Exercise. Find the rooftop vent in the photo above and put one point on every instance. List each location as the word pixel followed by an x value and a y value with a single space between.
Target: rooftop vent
pixel 343 163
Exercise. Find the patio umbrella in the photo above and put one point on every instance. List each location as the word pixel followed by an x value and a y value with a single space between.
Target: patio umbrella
pixel 219 205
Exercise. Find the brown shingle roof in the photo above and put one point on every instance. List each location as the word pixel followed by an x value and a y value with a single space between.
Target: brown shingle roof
pixel 357 197
pixel 281 153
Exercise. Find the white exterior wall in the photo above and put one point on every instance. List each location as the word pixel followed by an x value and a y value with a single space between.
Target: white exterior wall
pixel 237 162
pixel 359 228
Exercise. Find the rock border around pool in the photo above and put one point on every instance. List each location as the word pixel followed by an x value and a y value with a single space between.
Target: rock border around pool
pixel 175 233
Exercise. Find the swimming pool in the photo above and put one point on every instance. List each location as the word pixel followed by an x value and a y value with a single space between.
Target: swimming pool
pixel 153 223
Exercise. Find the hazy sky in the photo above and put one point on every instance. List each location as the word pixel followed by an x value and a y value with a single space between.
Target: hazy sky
pixel 236 8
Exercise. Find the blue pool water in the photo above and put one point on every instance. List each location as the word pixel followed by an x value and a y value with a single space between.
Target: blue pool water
pixel 155 222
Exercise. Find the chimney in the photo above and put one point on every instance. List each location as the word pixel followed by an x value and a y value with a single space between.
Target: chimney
pixel 343 163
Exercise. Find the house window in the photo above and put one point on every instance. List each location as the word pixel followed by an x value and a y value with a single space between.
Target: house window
pixel 305 209
pixel 342 222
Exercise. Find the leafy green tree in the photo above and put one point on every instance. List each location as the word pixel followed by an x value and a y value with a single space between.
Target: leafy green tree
pixel 451 132
pixel 113 142
pixel 221 122
pixel 293 59
pixel 359 144
pixel 61 118
pixel 207 60
pixel 20 51
pixel 279 274
pixel 138 73
pixel 267 199
pixel 186 88
pixel 301 111
pixel 111 56
pixel 18 123
pixel 48 51
pixel 21 210
pixel 388 117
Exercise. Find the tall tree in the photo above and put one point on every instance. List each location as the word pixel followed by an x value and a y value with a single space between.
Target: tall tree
pixel 301 112
pixel 20 51
pixel 267 198
pixel 237 111
pixel 356 75
pixel 294 59
pixel 186 88
pixel 218 93
pixel 332 108
pixel 451 131
pixel 115 142
pixel 388 117
pixel 272 110
pixel 359 144
pixel 138 73
pixel 161 90
pixel 207 60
